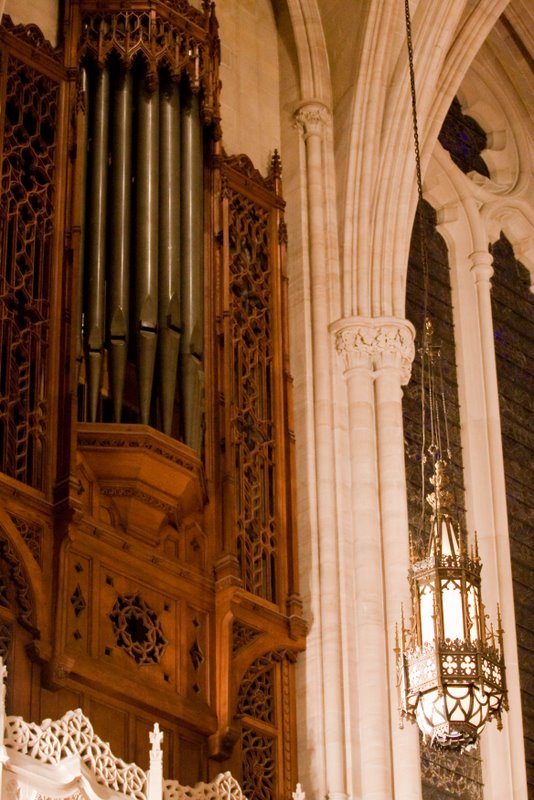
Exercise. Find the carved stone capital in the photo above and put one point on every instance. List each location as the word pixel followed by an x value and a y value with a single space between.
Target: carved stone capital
pixel 376 344
pixel 311 118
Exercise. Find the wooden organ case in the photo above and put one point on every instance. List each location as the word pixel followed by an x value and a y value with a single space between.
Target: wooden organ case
pixel 148 558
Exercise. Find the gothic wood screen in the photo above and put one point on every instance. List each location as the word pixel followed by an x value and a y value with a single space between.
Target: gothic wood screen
pixel 33 153
pixel 258 608
pixel 265 705
pixel 258 524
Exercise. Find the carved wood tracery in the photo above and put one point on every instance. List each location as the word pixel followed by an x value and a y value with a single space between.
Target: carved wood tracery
pixel 175 36
pixel 255 386
pixel 18 589
pixel 265 706
pixel 26 235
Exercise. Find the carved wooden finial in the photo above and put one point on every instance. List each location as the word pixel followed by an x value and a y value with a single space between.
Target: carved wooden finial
pixel 276 165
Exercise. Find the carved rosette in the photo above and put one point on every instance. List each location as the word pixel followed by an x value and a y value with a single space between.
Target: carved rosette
pixel 376 344
pixel 311 119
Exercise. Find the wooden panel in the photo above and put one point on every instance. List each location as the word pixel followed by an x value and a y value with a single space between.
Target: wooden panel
pixel 196 636
pixel 20 693
pixel 79 602
pixel 111 724
pixel 136 625
pixel 55 704
pixel 192 760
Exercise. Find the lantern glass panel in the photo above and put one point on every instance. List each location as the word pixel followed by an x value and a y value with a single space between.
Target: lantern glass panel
pixel 453 620
pixel 472 608
pixel 426 607
pixel 448 539
pixel 430 711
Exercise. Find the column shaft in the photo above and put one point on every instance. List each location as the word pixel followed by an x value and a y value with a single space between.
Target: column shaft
pixel 392 373
pixel 373 714
pixel 312 118
pixel 378 355
pixel 503 753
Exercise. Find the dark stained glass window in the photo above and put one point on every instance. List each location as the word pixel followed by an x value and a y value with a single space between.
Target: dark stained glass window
pixel 464 139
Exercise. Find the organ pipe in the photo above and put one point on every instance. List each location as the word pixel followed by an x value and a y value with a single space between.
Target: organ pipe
pixel 149 253
pixel 119 266
pixel 169 314
pixel 192 270
pixel 146 289
pixel 84 141
pixel 97 237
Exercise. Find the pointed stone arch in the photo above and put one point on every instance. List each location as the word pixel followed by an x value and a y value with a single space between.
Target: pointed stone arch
pixel 381 191
pixel 311 50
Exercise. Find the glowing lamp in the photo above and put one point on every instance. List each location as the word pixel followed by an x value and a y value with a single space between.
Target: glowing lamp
pixel 451 672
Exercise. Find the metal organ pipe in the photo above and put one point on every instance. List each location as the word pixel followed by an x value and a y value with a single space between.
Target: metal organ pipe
pixel 119 235
pixel 144 265
pixel 97 237
pixel 169 313
pixel 146 289
pixel 192 270
pixel 84 142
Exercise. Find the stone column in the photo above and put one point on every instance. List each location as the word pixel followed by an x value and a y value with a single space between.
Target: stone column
pixel 377 355
pixel 503 753
pixel 355 342
pixel 325 642
pixel 393 356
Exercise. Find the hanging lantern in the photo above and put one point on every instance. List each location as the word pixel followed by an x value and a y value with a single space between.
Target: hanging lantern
pixel 450 666
pixel 451 673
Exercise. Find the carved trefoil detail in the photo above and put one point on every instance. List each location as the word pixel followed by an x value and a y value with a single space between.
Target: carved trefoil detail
pixel 242 635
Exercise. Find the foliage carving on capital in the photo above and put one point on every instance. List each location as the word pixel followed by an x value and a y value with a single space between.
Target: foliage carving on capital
pixel 376 344
pixel 311 118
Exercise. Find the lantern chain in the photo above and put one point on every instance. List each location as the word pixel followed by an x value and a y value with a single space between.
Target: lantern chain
pixel 429 353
